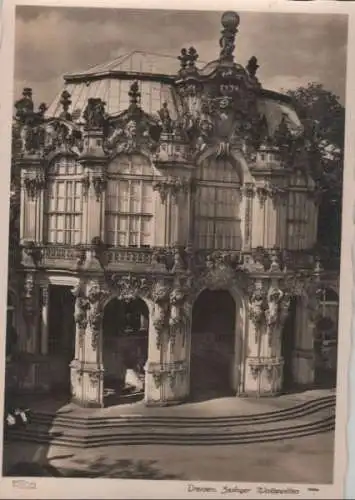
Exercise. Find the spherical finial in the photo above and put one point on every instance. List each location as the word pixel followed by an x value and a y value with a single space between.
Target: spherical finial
pixel 230 20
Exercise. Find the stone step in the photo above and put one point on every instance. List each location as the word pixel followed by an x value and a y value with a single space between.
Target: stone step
pixel 143 437
pixel 73 420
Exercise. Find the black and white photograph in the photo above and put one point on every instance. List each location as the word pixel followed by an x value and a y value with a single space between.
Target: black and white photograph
pixel 174 247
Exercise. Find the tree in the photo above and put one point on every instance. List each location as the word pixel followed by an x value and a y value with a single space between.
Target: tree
pixel 323 118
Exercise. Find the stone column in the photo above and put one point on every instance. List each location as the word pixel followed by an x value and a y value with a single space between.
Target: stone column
pixel 44 318
pixel 87 372
pixel 268 309
pixel 155 372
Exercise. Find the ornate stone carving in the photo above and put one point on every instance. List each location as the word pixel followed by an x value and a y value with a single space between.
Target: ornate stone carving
pixel 65 101
pixel 29 297
pixel 94 114
pixel 34 183
pixel 129 287
pixel 160 296
pixel 29 124
pixel 95 295
pixel 99 183
pixel 170 185
pixel 31 254
pixel 133 130
pixel 62 136
pixel 85 181
pixel 188 58
pixel 248 190
pixel 257 304
pixel 230 23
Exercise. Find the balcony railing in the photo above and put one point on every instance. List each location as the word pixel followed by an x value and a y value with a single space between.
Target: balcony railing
pixel 69 257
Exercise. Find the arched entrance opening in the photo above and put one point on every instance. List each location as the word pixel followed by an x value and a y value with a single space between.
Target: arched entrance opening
pixel 288 344
pixel 212 345
pixel 125 350
pixel 61 337
pixel 11 333
pixel 326 340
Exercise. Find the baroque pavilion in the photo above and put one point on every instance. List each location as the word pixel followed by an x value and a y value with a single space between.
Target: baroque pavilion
pixel 164 236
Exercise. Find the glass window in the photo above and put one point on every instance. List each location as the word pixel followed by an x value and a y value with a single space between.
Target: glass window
pixel 64 204
pixel 129 202
pixel 217 223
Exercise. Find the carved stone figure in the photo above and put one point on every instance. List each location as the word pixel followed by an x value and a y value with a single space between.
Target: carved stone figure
pixel 94 113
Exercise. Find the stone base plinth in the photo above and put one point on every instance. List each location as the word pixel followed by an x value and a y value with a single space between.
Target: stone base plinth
pixel 303 369
pixel 166 383
pixel 263 376
pixel 87 386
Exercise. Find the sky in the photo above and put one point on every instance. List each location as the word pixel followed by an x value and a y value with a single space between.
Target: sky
pixel 292 49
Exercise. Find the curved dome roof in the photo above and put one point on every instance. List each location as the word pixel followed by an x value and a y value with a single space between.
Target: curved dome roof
pixel 155 74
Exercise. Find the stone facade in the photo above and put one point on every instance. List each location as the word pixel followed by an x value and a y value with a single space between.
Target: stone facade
pixel 224 200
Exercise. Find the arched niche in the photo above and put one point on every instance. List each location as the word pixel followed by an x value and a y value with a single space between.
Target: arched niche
pixel 125 335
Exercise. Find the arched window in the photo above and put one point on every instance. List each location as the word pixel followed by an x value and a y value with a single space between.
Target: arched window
pixel 64 202
pixel 217 216
pixel 129 202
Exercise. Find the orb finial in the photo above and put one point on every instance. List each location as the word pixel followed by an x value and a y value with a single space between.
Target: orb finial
pixel 230 21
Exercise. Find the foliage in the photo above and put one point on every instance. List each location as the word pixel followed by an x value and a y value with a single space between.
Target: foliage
pixel 323 118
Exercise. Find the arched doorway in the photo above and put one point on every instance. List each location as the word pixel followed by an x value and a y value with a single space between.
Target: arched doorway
pixel 125 349
pixel 61 337
pixel 11 333
pixel 326 340
pixel 288 343
pixel 212 345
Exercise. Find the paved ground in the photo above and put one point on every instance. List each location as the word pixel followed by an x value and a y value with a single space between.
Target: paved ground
pixel 302 460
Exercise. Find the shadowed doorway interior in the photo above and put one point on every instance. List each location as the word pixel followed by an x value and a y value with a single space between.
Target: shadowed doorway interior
pixel 125 350
pixel 212 345
pixel 61 337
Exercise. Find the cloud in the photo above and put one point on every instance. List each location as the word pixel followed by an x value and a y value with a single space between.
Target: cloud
pixel 290 48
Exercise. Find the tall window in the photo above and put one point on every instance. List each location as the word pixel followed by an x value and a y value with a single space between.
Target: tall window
pixel 64 202
pixel 298 222
pixel 217 206
pixel 129 202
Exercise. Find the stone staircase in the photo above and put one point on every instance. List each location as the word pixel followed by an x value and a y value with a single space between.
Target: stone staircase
pixel 303 419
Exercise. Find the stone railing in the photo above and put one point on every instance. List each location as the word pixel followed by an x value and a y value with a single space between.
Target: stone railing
pixel 58 256
pixel 164 259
